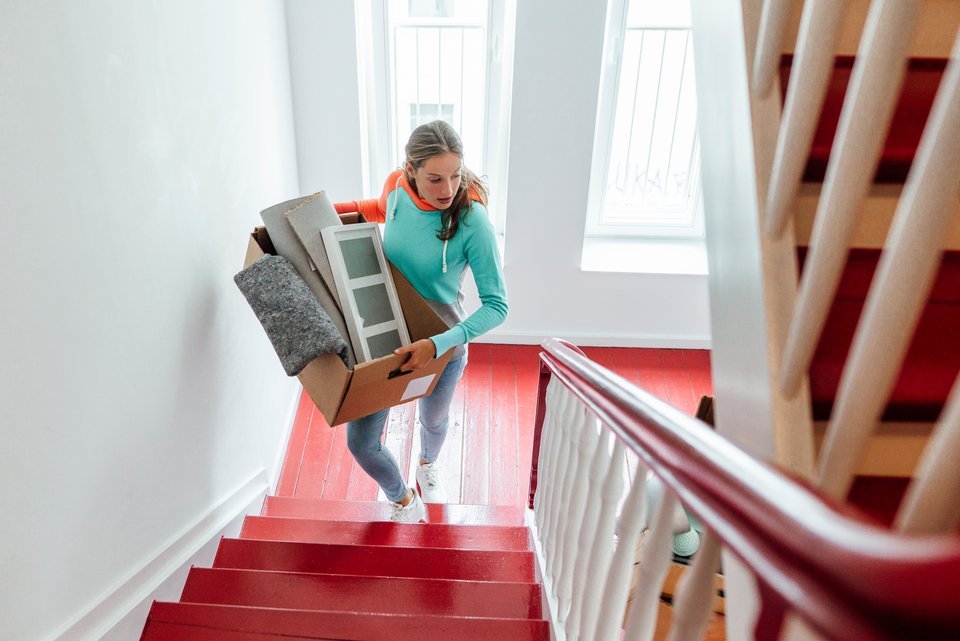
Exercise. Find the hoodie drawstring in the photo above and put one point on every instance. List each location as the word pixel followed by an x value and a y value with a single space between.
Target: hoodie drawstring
pixel 396 197
pixel 393 213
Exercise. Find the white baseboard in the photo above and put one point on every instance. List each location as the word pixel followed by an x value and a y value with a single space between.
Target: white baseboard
pixel 120 614
pixel 590 340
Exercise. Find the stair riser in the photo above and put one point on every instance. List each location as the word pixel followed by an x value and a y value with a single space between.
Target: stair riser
pixel 463 537
pixel 366 511
pixel 361 594
pixel 436 563
pixel 348 625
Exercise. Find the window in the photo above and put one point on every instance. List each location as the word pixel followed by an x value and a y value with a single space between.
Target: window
pixel 646 178
pixel 420 113
pixel 438 49
pixel 436 59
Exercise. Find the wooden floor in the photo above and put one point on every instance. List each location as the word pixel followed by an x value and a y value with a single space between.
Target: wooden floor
pixel 486 458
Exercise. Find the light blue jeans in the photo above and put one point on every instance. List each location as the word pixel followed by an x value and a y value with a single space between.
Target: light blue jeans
pixel 364 434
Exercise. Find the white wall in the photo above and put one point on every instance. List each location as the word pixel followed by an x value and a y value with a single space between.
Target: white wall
pixel 141 402
pixel 555 88
pixel 323 68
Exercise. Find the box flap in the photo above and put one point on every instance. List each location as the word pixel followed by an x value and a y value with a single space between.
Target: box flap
pixel 326 380
pixel 255 250
pixel 352 218
pixel 422 321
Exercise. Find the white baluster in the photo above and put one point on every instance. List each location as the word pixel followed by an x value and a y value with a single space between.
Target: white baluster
pixel 599 465
pixel 548 446
pixel 693 604
pixel 562 483
pixel 655 558
pixel 864 120
pixel 617 586
pixel 580 421
pixel 543 459
pixel 905 274
pixel 809 79
pixel 773 26
pixel 587 440
pixel 932 503
pixel 602 545
pixel 555 473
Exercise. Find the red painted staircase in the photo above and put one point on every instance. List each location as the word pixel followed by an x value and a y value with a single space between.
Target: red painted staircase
pixel 323 569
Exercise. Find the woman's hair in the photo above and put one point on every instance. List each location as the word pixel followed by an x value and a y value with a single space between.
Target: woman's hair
pixel 435 138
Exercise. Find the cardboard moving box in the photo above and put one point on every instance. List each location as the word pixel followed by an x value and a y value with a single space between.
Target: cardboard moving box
pixel 343 395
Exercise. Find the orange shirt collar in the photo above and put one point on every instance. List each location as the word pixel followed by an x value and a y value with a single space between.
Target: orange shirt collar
pixel 419 202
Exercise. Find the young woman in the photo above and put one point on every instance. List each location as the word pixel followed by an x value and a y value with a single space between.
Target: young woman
pixel 436 223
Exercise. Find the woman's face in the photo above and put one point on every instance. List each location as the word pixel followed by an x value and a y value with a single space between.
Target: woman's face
pixel 438 179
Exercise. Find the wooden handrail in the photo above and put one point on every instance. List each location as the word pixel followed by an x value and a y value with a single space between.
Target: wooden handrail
pixel 849 579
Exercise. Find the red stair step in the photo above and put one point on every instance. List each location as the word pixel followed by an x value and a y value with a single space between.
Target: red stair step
pixel 362 593
pixel 920 85
pixel 932 361
pixel 334 510
pixel 371 560
pixel 347 626
pixel 435 535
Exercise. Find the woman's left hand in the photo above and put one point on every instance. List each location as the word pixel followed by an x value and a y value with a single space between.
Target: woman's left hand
pixel 420 353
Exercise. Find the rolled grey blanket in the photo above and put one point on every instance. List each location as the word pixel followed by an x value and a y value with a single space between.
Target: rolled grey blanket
pixel 296 324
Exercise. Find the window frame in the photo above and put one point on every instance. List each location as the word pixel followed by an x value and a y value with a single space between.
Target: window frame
pixel 377 92
pixel 610 81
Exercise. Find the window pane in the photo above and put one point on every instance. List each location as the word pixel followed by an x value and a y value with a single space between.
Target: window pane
pixel 473 98
pixel 658 13
pixel 461 10
pixel 651 177
pixel 439 69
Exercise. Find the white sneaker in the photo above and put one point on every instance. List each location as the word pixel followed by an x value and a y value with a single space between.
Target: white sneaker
pixel 413 512
pixel 428 479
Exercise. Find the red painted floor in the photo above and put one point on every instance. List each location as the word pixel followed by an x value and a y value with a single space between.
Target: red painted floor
pixel 486 458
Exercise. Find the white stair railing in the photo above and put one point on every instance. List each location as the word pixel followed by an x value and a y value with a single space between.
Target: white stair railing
pixel 822 572
pixel 591 525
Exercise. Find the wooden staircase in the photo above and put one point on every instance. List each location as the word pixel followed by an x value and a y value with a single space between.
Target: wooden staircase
pixel 327 569
pixel 850 195
pixel 932 360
